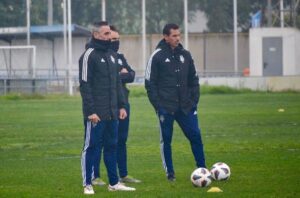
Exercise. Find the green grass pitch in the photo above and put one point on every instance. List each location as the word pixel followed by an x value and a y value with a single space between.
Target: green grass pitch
pixel 41 141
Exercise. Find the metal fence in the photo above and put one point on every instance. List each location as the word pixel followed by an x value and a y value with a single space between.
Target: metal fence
pixel 36 86
pixel 44 84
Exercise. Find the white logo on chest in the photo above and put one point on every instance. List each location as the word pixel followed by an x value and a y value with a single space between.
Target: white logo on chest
pixel 167 60
pixel 181 59
pixel 102 60
pixel 120 62
pixel 112 59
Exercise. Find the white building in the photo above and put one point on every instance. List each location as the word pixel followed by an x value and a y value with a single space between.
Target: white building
pixel 274 52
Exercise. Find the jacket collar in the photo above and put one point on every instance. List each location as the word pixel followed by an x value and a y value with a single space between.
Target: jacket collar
pixel 164 45
pixel 98 44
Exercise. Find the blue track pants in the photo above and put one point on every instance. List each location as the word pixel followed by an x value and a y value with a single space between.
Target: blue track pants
pixel 122 139
pixel 105 133
pixel 189 125
pixel 123 129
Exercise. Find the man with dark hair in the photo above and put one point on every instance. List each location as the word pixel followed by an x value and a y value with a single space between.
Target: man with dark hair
pixel 103 104
pixel 127 75
pixel 172 86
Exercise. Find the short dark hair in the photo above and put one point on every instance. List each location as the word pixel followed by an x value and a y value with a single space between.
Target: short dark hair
pixel 113 28
pixel 168 27
pixel 97 25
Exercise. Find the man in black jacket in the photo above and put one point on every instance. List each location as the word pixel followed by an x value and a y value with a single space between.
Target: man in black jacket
pixel 172 86
pixel 103 103
pixel 127 75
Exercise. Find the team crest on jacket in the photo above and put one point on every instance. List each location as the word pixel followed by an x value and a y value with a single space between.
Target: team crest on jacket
pixel 112 59
pixel 181 59
pixel 120 62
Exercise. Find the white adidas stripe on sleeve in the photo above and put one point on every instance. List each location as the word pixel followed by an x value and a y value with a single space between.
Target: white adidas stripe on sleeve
pixel 148 69
pixel 85 64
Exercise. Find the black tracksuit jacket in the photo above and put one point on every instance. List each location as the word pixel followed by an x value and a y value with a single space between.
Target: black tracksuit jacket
pixel 100 85
pixel 171 80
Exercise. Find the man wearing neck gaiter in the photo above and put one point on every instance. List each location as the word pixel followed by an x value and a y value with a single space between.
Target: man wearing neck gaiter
pixel 103 104
pixel 127 75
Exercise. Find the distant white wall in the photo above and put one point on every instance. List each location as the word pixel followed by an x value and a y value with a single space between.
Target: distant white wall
pixel 281 83
pixel 290 48
pixel 217 56
pixel 218 51
pixel 49 56
pixel 78 47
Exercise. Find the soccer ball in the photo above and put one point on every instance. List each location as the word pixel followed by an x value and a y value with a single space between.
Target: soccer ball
pixel 220 171
pixel 201 177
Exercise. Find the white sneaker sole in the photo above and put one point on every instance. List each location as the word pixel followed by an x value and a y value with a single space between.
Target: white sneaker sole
pixel 88 193
pixel 112 189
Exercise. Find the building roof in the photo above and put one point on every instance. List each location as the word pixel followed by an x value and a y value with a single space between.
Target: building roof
pixel 41 32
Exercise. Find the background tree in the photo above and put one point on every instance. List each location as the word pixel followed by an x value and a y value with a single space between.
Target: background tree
pixel 12 13
pixel 220 13
pixel 86 12
pixel 161 12
pixel 126 14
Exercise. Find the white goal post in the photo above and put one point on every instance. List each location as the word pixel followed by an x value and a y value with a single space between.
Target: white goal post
pixel 31 47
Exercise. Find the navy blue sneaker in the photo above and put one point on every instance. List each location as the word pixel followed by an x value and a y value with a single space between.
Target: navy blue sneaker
pixel 171 177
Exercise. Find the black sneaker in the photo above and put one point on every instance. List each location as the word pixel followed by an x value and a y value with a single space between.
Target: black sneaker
pixel 171 177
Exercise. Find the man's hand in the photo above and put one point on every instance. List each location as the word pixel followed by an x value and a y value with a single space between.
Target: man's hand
pixel 124 71
pixel 94 118
pixel 122 114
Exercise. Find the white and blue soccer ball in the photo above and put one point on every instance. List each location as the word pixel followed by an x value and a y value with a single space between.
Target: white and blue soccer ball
pixel 220 171
pixel 201 177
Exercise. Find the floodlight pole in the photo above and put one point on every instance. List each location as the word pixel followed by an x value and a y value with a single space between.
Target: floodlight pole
pixel 31 69
pixel 186 41
pixel 269 13
pixel 70 83
pixel 235 37
pixel 281 14
pixel 65 32
pixel 28 2
pixel 295 7
pixel 144 33
pixel 50 12
pixel 34 62
pixel 103 5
